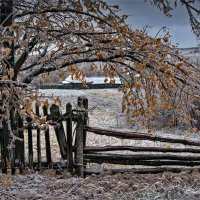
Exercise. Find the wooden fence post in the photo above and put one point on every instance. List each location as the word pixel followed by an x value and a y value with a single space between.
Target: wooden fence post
pixel 12 147
pixel 30 143
pixel 20 143
pixel 4 150
pixel 79 147
pixel 69 137
pixel 59 130
pixel 83 103
pixel 4 144
pixel 37 110
pixel 47 139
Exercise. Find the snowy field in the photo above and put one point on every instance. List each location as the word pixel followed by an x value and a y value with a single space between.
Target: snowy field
pixel 105 110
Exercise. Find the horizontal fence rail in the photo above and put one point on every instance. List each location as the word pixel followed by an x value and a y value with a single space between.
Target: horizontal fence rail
pixel 140 157
pixel 139 136
pixel 139 149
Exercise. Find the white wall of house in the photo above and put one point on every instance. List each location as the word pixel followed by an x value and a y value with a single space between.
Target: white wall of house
pixel 92 79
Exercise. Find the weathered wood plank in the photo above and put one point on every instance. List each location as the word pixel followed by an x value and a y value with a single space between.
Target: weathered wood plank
pixel 79 148
pixel 141 156
pixel 59 130
pixel 139 136
pixel 39 156
pixel 47 138
pixel 20 143
pixel 4 147
pixel 83 103
pixel 69 137
pixel 137 160
pixel 30 143
pixel 4 150
pixel 139 149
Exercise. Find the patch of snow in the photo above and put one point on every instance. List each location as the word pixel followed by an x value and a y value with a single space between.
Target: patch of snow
pixel 61 92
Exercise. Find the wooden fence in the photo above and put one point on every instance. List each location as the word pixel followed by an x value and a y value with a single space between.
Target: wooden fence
pixel 76 154
pixel 13 155
pixel 152 158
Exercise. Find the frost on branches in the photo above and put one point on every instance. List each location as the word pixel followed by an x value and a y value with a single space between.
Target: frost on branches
pixel 38 37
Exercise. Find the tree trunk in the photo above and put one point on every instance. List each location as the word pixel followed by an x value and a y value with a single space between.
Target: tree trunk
pixel 6 18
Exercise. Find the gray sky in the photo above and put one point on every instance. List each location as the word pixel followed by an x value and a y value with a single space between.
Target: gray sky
pixel 143 13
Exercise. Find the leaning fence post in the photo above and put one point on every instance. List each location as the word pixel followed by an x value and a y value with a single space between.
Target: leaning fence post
pixel 79 146
pixel 69 137
pixel 59 130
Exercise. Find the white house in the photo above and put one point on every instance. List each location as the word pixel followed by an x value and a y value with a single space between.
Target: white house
pixel 91 80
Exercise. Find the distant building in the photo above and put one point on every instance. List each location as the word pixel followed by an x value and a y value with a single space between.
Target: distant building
pixel 92 80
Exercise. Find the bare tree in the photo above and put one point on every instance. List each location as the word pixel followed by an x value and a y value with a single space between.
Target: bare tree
pixel 42 36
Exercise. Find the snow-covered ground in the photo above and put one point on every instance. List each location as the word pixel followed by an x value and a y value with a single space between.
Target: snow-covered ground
pixel 128 186
pixel 105 112
pixel 104 105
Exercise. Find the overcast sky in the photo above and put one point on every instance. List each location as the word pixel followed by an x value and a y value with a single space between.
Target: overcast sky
pixel 143 13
